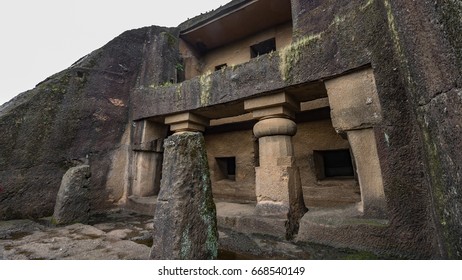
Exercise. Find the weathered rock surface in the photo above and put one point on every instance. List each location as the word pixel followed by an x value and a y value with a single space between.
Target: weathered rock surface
pixel 73 202
pixel 185 225
pixel 79 112
pixel 13 228
pixel 29 240
pixel 32 240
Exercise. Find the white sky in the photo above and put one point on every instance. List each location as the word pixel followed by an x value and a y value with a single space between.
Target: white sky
pixel 42 37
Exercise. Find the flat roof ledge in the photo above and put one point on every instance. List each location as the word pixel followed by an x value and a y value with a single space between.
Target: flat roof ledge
pixel 235 21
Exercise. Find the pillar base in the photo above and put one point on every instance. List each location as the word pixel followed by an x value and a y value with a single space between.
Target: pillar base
pixel 279 195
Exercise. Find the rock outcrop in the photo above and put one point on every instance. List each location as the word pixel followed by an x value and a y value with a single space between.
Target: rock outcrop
pixel 73 201
pixel 185 225
pixel 83 110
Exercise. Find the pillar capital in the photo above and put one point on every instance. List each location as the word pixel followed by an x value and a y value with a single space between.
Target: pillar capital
pixel 275 105
pixel 186 122
pixel 275 126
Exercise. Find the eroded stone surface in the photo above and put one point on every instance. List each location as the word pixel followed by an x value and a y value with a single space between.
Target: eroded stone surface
pixel 83 110
pixel 118 239
pixel 185 224
pixel 72 202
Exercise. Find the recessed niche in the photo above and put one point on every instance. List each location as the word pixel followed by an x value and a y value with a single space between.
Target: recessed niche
pixel 333 164
pixel 227 167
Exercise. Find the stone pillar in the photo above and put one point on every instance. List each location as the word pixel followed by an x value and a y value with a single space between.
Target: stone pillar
pixel 355 110
pixel 185 224
pixel 364 149
pixel 278 185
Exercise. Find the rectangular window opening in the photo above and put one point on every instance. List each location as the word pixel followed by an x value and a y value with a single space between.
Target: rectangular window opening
pixel 333 164
pixel 262 48
pixel 227 167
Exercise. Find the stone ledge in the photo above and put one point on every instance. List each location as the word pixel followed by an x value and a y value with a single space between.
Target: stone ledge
pixel 142 205
pixel 344 227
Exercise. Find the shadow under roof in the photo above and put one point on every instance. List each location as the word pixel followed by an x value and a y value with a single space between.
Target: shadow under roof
pixel 236 22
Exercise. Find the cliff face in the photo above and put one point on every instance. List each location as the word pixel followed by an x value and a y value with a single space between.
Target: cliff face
pixel 80 113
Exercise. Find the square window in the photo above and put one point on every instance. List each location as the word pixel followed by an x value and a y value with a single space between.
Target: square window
pixel 263 48
pixel 227 167
pixel 333 164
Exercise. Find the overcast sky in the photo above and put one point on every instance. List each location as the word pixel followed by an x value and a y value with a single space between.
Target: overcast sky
pixel 42 37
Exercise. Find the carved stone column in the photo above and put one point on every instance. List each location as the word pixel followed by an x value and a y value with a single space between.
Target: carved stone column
pixel 355 110
pixel 278 186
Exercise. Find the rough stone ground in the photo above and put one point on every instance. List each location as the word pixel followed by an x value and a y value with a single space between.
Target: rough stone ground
pixel 120 234
pixel 113 235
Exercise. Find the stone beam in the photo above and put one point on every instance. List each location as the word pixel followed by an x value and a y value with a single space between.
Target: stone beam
pixel 279 104
pixel 186 122
pixel 354 101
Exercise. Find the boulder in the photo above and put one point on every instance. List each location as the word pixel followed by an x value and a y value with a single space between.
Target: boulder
pixel 72 201
pixel 185 223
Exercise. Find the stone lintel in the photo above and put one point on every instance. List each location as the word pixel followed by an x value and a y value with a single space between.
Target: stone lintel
pixel 186 122
pixel 277 111
pixel 152 146
pixel 279 104
pixel 354 101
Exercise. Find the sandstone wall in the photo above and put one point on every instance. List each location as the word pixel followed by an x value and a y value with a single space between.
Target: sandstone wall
pixel 311 136
pixel 238 144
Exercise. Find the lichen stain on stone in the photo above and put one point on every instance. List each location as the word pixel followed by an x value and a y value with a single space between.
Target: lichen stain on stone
pixel 186 245
pixel 397 42
pixel 161 85
pixel 206 85
pixel 179 90
pixel 439 197
pixel 366 5
pixel 208 213
pixel 208 209
pixel 171 39
pixel 290 55
pixel 436 170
